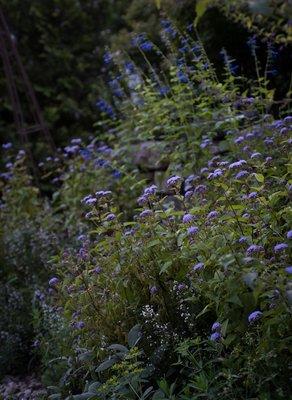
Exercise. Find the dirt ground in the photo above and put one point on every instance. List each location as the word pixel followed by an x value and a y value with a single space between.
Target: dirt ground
pixel 22 388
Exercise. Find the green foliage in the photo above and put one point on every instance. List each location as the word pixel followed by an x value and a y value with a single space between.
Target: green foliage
pixel 183 293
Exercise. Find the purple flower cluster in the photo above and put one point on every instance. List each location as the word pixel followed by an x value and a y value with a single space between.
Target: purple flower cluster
pixel 237 164
pixel 174 181
pixel 187 218
pixel 147 195
pixel 254 316
pixel 280 247
pixel 216 174
pixel 198 266
pixel 53 282
pixel 193 230
pixel 254 249
pixel 216 335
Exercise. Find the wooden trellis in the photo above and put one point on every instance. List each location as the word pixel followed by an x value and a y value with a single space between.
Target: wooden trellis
pixel 15 73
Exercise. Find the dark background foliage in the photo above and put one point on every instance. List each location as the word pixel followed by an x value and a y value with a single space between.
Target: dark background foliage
pixel 61 43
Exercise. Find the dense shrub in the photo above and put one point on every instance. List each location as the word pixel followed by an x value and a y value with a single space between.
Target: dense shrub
pixel 161 257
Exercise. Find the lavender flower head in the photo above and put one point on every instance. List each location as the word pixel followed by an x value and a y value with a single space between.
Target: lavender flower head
pixel 254 316
pixel 289 235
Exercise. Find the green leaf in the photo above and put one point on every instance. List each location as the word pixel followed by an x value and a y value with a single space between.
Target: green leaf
pixel 83 396
pixel 165 266
pixel 259 177
pixel 206 309
pixel 134 335
pixel 93 387
pixel 118 347
pixel 106 364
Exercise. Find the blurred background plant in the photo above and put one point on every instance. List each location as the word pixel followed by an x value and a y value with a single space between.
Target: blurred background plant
pixel 62 43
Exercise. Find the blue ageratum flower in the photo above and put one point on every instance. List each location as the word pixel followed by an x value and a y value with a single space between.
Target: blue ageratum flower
pixel 241 174
pixel 174 181
pixel 289 235
pixel 242 239
pixel 254 249
pixel 237 164
pixel 89 200
pixel 146 214
pixel 198 266
pixel 200 189
pixel 150 190
pixel 187 218
pixel 215 337
pixel 280 247
pixel 288 120
pixel 97 270
pixel 193 230
pixel 54 281
pixel 110 217
pixel 216 174
pixel 153 290
pixel 212 215
pixel 79 325
pixel 289 270
pixel 252 195
pixel 181 287
pixel 254 316
pixel 6 146
pixel 216 327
